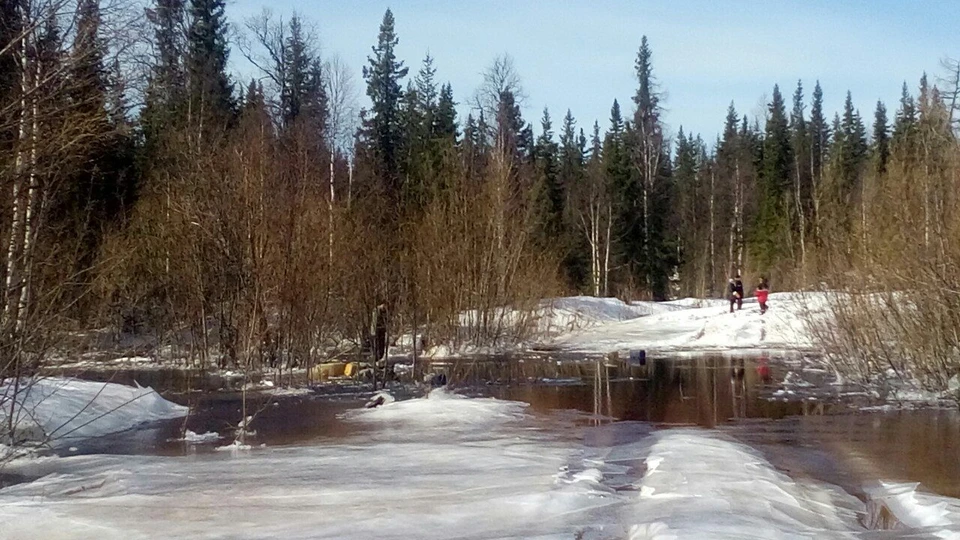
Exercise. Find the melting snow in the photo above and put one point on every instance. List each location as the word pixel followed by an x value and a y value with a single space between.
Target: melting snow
pixel 64 409
pixel 448 466
pixel 705 326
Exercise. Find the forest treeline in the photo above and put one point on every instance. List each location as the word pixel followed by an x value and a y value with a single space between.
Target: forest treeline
pixel 149 190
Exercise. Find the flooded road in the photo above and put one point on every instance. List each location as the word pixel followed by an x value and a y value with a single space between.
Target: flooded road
pixel 755 447
pixel 810 435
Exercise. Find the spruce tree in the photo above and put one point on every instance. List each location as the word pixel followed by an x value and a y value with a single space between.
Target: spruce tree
pixel 802 192
pixel 296 83
pixel 881 139
pixel 685 177
pixel 627 218
pixel 770 233
pixel 209 86
pixel 852 142
pixel 90 77
pixel 445 120
pixel 905 123
pixel 549 201
pixel 570 180
pixel 383 129
pixel 166 85
pixel 652 165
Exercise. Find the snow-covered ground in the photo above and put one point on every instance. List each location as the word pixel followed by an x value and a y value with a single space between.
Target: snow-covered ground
pixel 703 326
pixel 57 410
pixel 447 466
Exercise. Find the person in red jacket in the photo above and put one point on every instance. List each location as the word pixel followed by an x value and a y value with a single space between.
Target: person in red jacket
pixel 762 293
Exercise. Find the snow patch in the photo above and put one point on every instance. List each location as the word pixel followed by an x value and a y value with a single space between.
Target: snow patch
pixel 66 409
pixel 682 327
pixel 195 438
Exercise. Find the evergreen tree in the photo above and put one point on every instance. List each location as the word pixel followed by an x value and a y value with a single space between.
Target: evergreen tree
pixel 819 144
pixel 686 168
pixel 445 119
pixel 210 89
pixel 905 122
pixel 301 81
pixel 852 148
pixel 881 139
pixel 570 180
pixel 473 148
pixel 383 130
pixel 549 192
pixel 166 85
pixel 427 89
pixel 513 136
pixel 802 192
pixel 90 77
pixel 571 153
pixel 627 217
pixel 770 233
pixel 652 163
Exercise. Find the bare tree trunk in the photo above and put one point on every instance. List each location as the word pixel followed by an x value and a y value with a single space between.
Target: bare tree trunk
pixel 606 251
pixel 802 225
pixel 349 182
pixel 713 228
pixel 14 259
pixel 330 202
pixel 738 215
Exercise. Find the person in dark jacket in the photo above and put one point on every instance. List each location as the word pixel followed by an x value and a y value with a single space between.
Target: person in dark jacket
pixel 378 330
pixel 736 293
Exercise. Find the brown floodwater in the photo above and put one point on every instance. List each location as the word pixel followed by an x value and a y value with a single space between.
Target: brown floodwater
pixel 811 433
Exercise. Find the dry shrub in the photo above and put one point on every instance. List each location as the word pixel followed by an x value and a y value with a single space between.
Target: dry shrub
pixel 894 280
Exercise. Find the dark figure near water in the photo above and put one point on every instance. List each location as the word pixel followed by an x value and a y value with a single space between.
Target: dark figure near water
pixel 378 330
pixel 736 293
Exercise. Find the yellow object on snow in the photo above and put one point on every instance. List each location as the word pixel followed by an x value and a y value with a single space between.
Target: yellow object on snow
pixel 325 371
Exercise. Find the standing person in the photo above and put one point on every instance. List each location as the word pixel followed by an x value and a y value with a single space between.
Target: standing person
pixel 762 293
pixel 378 331
pixel 736 293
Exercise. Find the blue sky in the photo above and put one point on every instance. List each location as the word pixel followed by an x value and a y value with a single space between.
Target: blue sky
pixel 580 55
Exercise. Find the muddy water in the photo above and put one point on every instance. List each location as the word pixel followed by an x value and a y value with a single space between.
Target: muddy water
pixel 810 435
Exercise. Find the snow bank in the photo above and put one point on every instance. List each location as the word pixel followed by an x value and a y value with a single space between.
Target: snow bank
pixel 441 410
pixel 681 327
pixel 567 314
pixel 65 409
pixel 697 485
